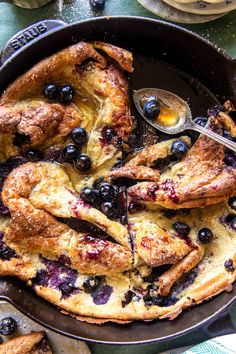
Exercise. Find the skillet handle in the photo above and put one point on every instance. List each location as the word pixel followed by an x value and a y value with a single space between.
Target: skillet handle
pixel 27 35
pixel 222 326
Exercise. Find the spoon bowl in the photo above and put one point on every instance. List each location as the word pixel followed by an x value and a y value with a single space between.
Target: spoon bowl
pixel 166 99
pixel 178 117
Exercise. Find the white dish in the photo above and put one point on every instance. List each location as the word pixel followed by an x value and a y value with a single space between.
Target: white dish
pixel 159 8
pixel 203 8
pixel 195 1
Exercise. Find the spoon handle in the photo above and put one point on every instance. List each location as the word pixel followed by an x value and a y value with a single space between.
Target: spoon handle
pixel 226 142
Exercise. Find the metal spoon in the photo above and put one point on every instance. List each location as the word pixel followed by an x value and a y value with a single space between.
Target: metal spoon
pixel 183 114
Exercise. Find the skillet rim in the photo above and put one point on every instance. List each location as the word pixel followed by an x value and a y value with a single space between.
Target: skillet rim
pixel 65 26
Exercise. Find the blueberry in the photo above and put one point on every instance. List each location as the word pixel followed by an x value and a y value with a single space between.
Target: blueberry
pixel 34 155
pixel 70 152
pixel 83 163
pixel 128 297
pixel 101 294
pixel 179 148
pixel 229 265
pixel 66 94
pixel 97 4
pixel 230 221
pixel 108 134
pixel 108 209
pixel 205 235
pixel 107 192
pixel 232 202
pixel 79 136
pixel 6 253
pixel 148 300
pixel 202 121
pixel 51 91
pixel 89 195
pixel 4 211
pixel 67 287
pixel 151 109
pixel 91 283
pixel 181 228
pixel 7 326
pixel 159 300
pixel 230 158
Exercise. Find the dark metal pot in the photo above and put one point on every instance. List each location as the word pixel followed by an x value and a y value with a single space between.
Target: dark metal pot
pixel 168 57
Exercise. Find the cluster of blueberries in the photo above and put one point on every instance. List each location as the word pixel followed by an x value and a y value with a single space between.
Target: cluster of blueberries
pixel 65 94
pixel 71 152
pixel 102 196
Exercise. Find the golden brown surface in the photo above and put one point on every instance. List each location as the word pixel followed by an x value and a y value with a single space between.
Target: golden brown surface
pixel 34 193
pixel 167 280
pixel 33 343
pixel 158 247
pixel 201 178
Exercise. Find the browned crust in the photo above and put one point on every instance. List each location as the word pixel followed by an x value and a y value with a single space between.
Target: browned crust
pixel 200 179
pixel 33 230
pixel 20 185
pixel 167 280
pixel 157 247
pixel 136 172
pixel 25 110
pixel 45 71
pixel 39 122
pixel 123 57
pixel 19 267
pixel 228 123
pixel 226 120
pixel 29 343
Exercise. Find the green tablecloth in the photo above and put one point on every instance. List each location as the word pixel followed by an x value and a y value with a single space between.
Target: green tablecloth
pixel 222 32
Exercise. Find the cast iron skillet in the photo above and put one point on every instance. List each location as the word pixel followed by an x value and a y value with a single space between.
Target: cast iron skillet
pixel 168 57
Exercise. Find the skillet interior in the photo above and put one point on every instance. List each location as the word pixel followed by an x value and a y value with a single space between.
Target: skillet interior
pixel 165 56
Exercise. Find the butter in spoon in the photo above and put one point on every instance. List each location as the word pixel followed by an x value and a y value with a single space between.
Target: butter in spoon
pixel 171 114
